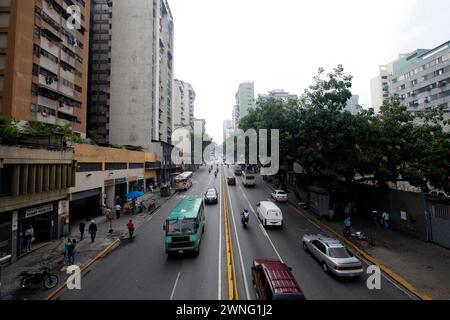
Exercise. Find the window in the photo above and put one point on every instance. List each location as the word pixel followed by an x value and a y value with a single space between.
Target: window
pixel 136 165
pixel 116 166
pixel 86 167
pixel 35 70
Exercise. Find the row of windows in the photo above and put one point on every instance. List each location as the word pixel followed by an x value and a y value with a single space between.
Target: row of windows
pixel 426 77
pixel 71 85
pixel 89 166
pixel 422 68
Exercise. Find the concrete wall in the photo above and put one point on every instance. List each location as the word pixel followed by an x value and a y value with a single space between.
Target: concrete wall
pixel 369 198
pixel 132 73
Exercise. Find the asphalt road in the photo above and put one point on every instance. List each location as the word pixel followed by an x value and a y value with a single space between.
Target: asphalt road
pixel 140 269
pixel 285 245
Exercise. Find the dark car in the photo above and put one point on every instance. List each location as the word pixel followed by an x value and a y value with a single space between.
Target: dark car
pixel 211 196
pixel 273 280
pixel 231 181
pixel 238 171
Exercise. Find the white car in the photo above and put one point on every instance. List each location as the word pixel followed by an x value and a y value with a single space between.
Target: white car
pixel 280 196
pixel 269 214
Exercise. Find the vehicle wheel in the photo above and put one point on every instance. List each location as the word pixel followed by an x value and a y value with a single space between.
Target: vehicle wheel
pixel 203 231
pixel 325 267
pixel 305 247
pixel 265 223
pixel 25 283
pixel 50 281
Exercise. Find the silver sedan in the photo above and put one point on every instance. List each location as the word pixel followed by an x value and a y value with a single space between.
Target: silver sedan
pixel 333 256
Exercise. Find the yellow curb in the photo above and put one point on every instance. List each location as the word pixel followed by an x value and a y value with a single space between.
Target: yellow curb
pixel 408 286
pixel 109 248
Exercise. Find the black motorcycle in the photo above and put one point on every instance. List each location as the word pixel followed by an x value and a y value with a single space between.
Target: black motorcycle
pixel 244 221
pixel 29 279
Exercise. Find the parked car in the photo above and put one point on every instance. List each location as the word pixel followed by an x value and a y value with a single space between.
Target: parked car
pixel 211 196
pixel 280 196
pixel 333 256
pixel 273 280
pixel 231 181
pixel 269 214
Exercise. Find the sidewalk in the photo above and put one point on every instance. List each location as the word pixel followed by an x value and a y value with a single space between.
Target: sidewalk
pixel 52 253
pixel 423 264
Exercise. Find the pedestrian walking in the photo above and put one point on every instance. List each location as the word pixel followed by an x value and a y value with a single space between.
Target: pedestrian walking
pixel 385 217
pixel 29 238
pixel 347 211
pixel 82 229
pixel 71 250
pixel 347 227
pixel 130 226
pixel 376 218
pixel 118 208
pixel 66 251
pixel 93 230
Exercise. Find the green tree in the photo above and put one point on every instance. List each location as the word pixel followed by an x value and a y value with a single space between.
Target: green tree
pixel 9 131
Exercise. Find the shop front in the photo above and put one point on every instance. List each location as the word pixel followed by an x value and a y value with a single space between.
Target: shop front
pixel 43 219
pixel 121 189
pixel 5 234
pixel 85 205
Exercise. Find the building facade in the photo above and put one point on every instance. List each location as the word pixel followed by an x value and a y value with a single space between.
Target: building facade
pixel 183 108
pixel 99 69
pixel 353 105
pixel 105 175
pixel 245 99
pixel 141 103
pixel 34 189
pixel 278 94
pixel 44 62
pixel 422 80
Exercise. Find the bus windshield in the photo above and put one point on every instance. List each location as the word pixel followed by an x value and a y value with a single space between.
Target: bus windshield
pixel 181 227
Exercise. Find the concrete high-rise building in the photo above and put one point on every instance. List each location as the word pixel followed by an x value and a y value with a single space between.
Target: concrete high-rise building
pixel 245 99
pixel 44 62
pixel 422 80
pixel 379 85
pixel 100 69
pixel 235 117
pixel 353 105
pixel 278 94
pixel 142 78
pixel 227 129
pixel 183 107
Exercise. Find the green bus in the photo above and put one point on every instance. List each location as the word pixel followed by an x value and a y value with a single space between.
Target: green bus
pixel 185 226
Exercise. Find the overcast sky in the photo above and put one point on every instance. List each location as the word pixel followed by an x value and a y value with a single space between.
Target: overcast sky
pixel 281 44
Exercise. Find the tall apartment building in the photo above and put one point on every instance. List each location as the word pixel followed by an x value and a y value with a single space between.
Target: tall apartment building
pixel 141 98
pixel 43 62
pixel 422 80
pixel 278 94
pixel 235 117
pixel 353 105
pixel 183 107
pixel 245 99
pixel 100 69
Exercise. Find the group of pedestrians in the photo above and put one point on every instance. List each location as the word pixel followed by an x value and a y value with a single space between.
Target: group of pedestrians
pixel 381 221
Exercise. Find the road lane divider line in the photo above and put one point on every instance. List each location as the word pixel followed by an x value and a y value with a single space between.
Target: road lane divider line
pixel 246 286
pixel 219 284
pixel 175 286
pixel 264 231
pixel 231 270
pixel 404 283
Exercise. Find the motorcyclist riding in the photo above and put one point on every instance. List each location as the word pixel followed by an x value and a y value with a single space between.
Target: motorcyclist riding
pixel 245 217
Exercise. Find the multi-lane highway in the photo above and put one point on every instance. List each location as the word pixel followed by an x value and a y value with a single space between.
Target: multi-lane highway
pixel 140 269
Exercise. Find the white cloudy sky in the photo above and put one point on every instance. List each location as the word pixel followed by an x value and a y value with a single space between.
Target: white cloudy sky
pixel 280 44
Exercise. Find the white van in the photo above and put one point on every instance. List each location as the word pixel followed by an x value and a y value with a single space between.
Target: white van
pixel 269 214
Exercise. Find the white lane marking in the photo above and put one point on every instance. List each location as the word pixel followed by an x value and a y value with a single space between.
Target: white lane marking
pixel 247 291
pixel 175 286
pixel 261 226
pixel 219 288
